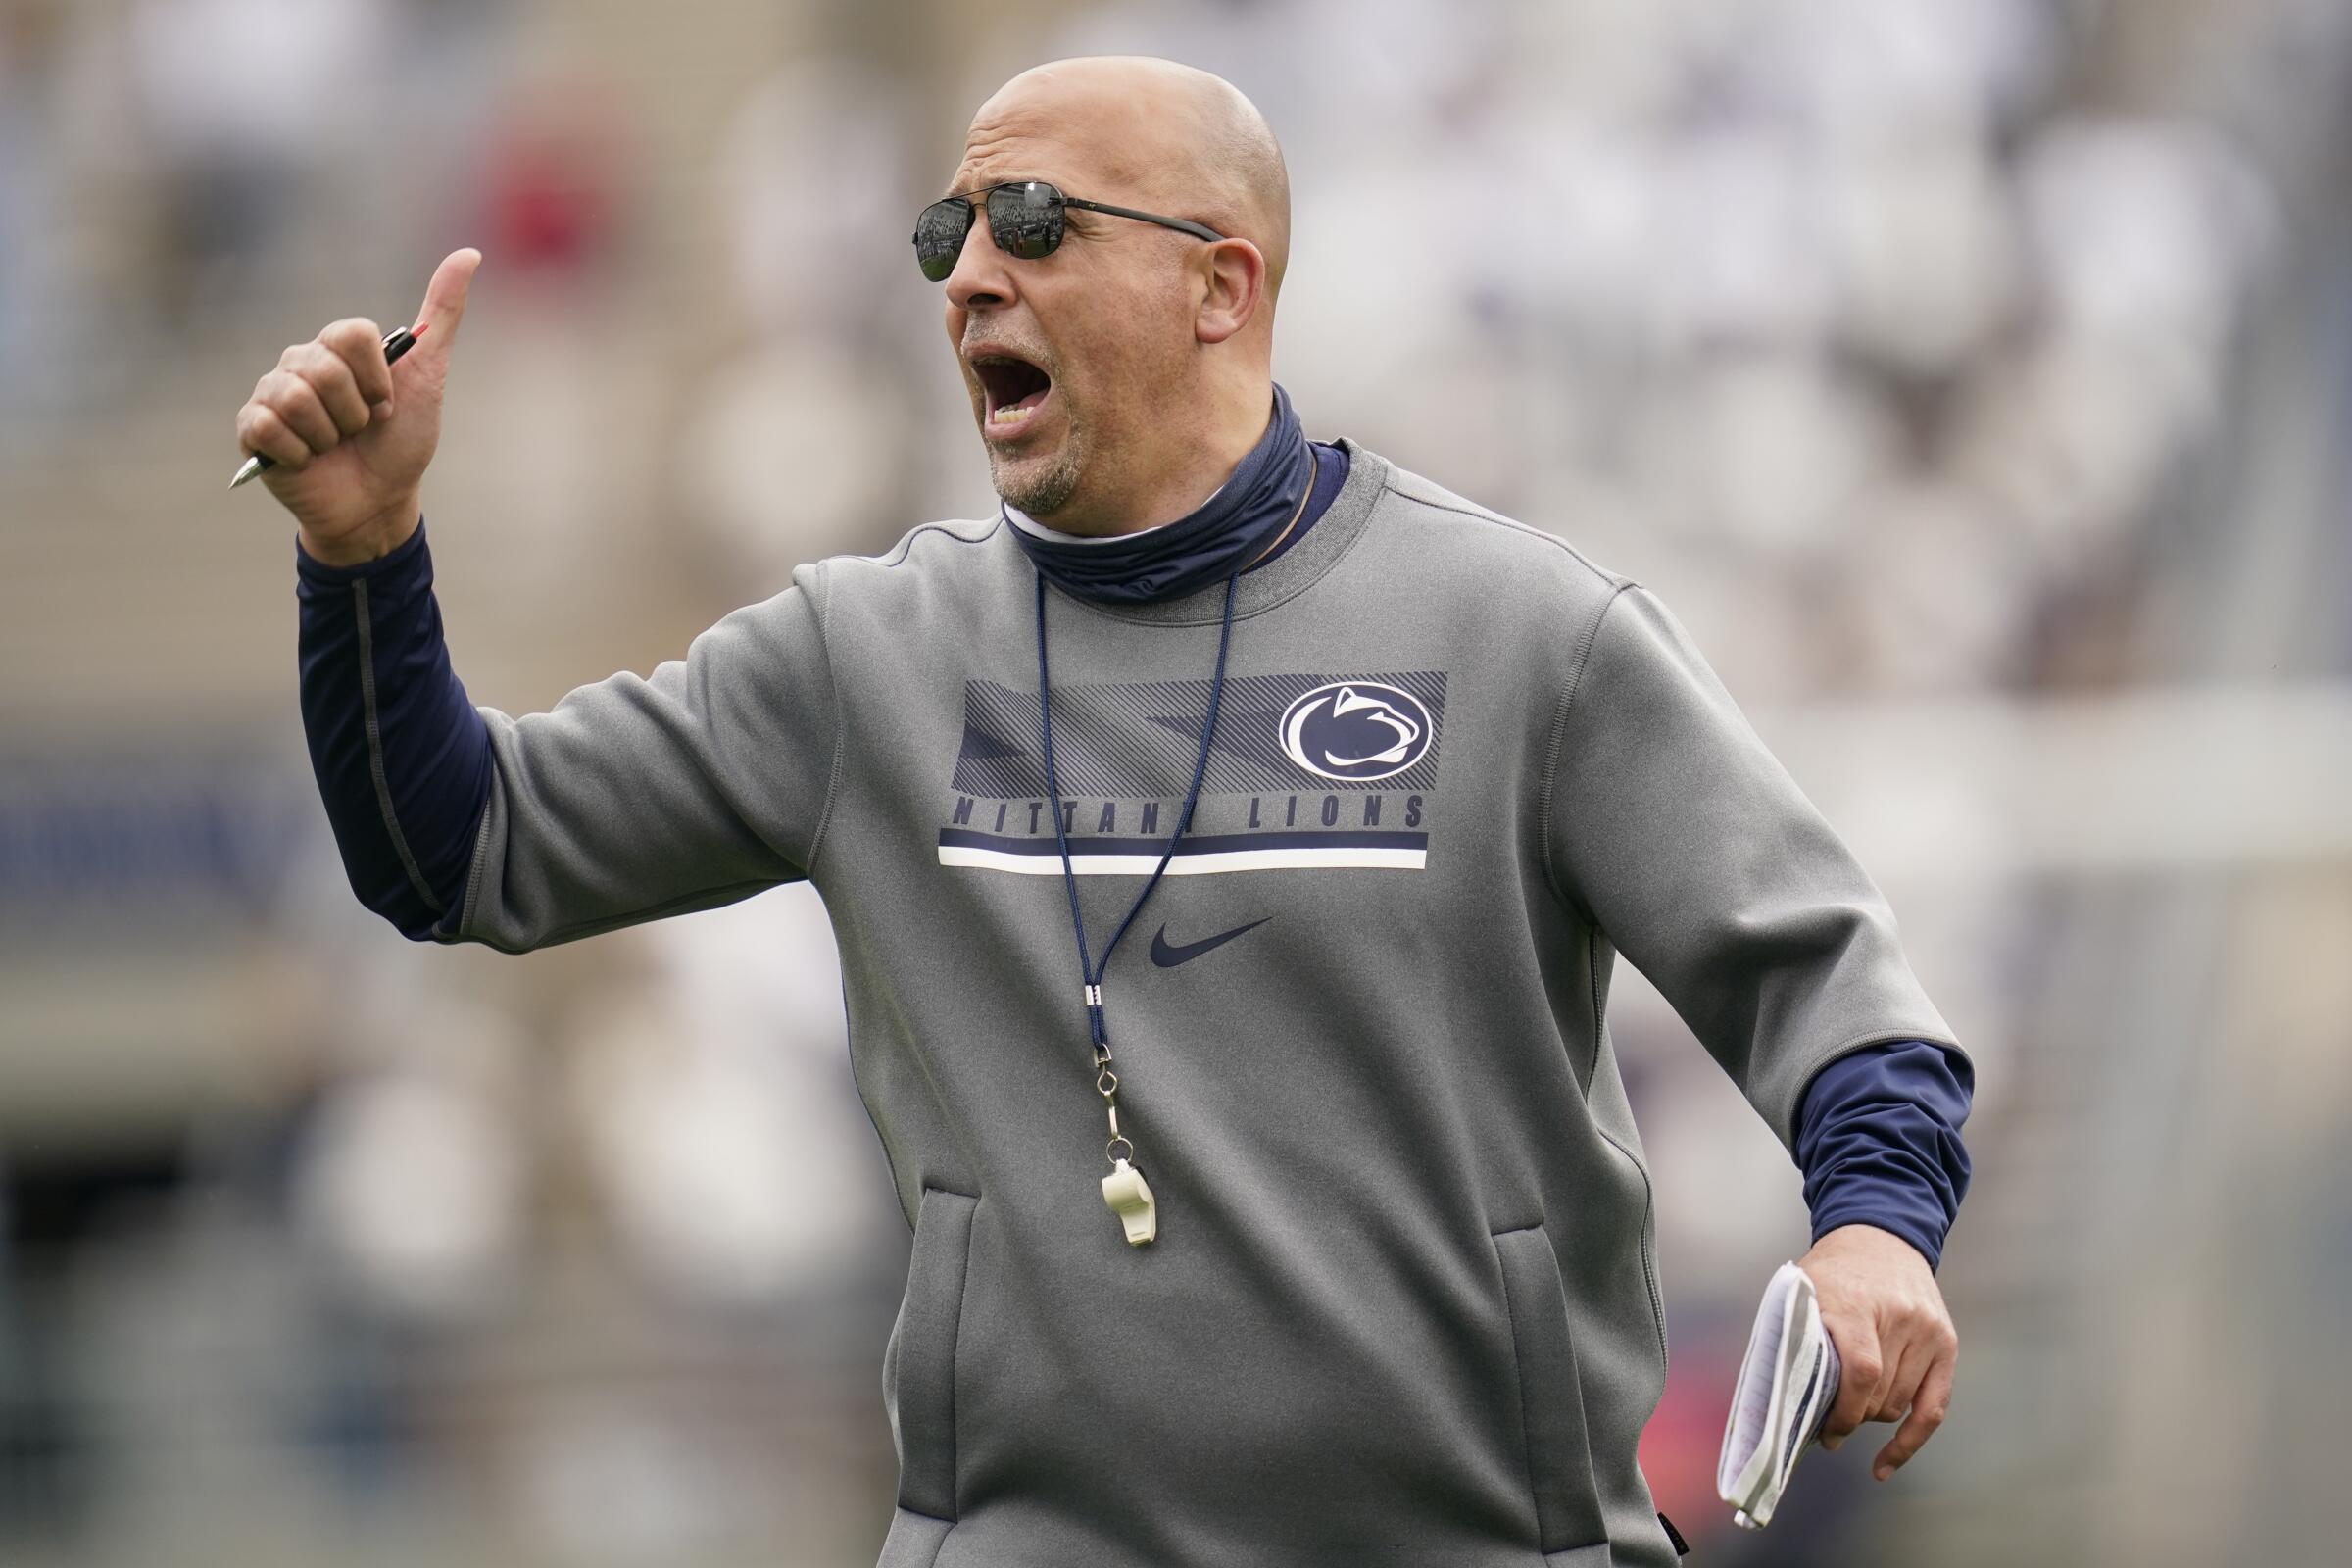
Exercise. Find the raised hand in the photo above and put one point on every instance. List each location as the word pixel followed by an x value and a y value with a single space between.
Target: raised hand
pixel 349 435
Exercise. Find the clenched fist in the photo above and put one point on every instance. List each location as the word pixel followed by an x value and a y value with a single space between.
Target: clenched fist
pixel 351 435
pixel 1884 1311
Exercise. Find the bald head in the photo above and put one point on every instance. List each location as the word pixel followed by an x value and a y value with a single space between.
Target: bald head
pixel 1151 132
pixel 1118 378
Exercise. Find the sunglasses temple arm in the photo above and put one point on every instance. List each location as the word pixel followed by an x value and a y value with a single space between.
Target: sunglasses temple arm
pixel 1202 230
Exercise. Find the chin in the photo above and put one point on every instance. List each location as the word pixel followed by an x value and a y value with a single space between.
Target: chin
pixel 1039 483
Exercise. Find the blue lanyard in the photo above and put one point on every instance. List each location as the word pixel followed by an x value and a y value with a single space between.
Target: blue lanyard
pixel 1106 1081
pixel 1124 1188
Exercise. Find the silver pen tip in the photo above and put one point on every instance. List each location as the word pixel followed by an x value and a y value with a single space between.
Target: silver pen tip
pixel 252 465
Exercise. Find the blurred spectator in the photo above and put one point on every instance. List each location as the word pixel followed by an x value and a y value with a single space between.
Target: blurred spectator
pixel 411 1182
pixel 243 104
pixel 552 176
pixel 720 1117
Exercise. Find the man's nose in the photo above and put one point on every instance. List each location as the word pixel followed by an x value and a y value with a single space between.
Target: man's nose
pixel 981 279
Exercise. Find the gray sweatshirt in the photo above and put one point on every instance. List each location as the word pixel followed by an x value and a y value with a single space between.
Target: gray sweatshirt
pixel 1404 1304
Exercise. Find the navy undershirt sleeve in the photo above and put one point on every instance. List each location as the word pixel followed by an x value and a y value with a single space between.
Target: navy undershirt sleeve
pixel 402 758
pixel 1878 1140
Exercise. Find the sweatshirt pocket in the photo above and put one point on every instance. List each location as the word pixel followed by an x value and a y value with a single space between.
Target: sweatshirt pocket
pixel 1551 1399
pixel 918 1364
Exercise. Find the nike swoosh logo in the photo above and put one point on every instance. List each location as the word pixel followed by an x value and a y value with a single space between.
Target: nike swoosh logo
pixel 1168 956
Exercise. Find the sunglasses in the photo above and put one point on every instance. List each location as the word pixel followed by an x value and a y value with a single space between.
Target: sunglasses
pixel 1025 218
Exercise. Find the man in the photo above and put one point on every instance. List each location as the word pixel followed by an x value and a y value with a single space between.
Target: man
pixel 1315 1228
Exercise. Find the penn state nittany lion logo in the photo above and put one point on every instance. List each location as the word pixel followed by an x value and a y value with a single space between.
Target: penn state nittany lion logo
pixel 1355 731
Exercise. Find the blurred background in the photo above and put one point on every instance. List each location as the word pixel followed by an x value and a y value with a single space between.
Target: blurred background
pixel 1973 376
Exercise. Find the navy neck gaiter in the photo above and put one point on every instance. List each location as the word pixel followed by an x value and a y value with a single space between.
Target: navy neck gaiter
pixel 1228 531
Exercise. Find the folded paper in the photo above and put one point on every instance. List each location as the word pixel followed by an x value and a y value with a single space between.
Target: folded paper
pixel 1788 1381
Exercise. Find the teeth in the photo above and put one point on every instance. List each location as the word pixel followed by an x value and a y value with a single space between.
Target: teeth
pixel 1011 416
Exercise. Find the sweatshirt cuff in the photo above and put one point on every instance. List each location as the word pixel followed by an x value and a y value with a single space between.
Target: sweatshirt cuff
pixel 1879 1141
pixel 402 559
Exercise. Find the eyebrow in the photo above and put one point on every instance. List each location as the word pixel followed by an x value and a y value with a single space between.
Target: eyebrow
pixel 991 184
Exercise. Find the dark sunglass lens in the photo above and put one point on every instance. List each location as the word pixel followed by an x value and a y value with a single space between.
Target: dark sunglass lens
pixel 1026 219
pixel 939 238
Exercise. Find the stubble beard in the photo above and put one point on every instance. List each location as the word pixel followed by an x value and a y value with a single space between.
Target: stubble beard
pixel 1039 490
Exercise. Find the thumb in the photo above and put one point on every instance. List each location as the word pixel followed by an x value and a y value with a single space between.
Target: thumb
pixel 445 300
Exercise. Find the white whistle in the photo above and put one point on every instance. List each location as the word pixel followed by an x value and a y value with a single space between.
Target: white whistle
pixel 1130 1197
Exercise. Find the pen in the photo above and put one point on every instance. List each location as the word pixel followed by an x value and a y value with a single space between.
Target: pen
pixel 396 343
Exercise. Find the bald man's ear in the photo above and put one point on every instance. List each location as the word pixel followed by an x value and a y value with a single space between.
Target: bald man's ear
pixel 1233 290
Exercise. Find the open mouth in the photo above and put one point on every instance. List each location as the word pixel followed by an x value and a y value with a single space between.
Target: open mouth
pixel 1014 388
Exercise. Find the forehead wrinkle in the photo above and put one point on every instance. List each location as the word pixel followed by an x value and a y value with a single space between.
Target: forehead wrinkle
pixel 1094 142
pixel 974 170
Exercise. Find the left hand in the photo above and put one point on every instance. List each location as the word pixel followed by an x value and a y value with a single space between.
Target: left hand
pixel 1896 1340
